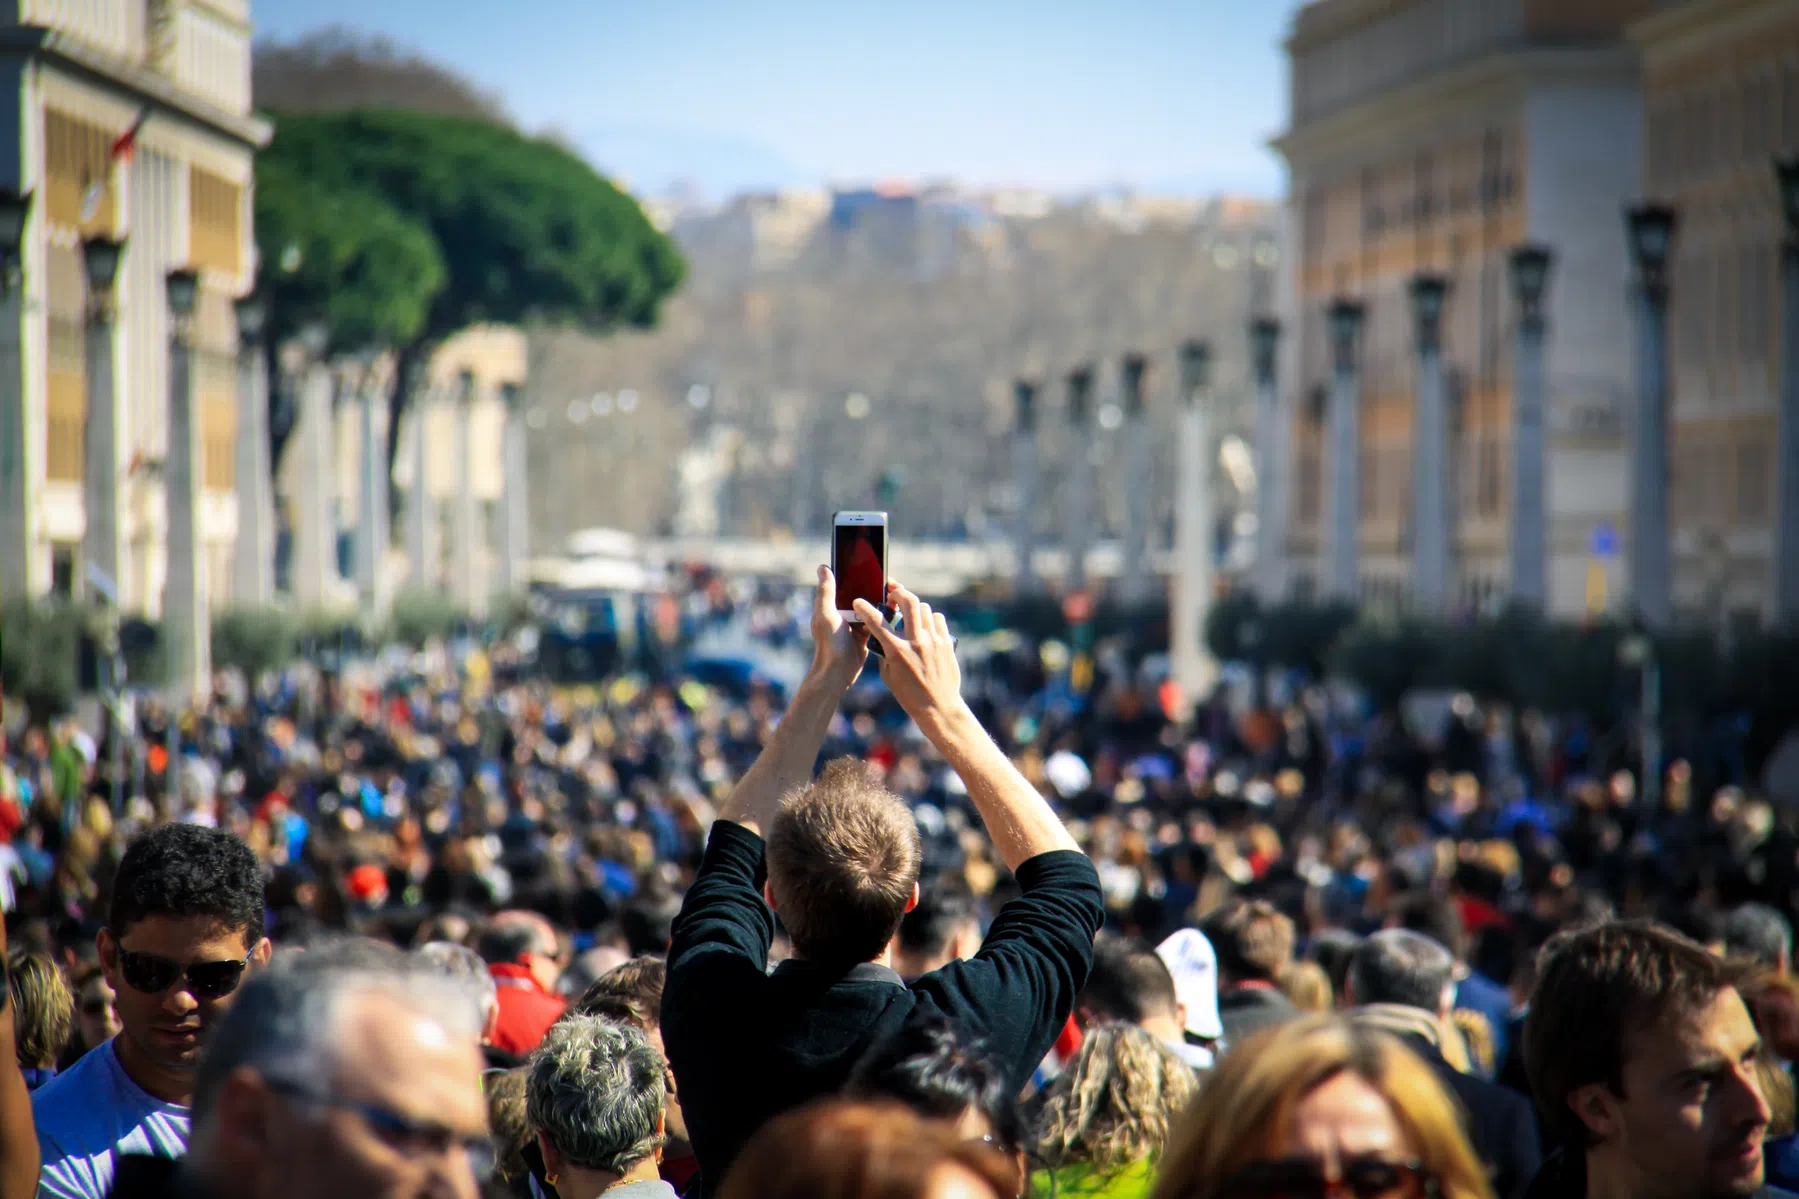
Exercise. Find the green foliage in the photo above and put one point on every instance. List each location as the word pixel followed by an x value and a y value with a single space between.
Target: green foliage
pixel 254 640
pixel 1388 659
pixel 1233 629
pixel 422 616
pixel 38 645
pixel 1299 635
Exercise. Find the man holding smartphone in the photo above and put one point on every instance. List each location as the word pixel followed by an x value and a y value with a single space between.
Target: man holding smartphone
pixel 840 864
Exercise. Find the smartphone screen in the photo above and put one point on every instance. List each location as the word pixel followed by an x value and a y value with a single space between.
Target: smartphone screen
pixel 860 554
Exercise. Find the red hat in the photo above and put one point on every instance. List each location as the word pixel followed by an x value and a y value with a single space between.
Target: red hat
pixel 367 881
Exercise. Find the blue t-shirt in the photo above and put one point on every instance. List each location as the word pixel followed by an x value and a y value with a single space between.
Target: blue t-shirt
pixel 90 1114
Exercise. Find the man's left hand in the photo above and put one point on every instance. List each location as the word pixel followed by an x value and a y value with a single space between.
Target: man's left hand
pixel 839 647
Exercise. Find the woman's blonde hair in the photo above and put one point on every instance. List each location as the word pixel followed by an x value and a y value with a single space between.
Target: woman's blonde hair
pixel 43 1009
pixel 1307 985
pixel 1114 1101
pixel 1246 1104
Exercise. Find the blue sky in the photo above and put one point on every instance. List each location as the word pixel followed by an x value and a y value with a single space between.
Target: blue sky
pixel 1164 95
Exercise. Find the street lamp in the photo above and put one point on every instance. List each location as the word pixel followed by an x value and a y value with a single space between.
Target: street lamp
pixel 1345 319
pixel 14 209
pixel 1651 228
pixel 1530 267
pixel 1786 519
pixel 1429 294
pixel 1264 342
pixel 252 319
pixel 186 620
pixel 100 479
pixel 1196 370
pixel 184 293
pixel 1786 174
pixel 1431 534
pixel 100 258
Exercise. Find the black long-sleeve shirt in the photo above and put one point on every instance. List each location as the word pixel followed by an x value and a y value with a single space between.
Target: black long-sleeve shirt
pixel 747 1045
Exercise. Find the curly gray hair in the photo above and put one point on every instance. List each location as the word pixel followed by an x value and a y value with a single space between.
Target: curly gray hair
pixel 595 1089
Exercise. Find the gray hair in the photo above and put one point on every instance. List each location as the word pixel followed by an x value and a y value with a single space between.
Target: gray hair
pixel 1403 967
pixel 465 968
pixel 1758 932
pixel 595 1089
pixel 284 1021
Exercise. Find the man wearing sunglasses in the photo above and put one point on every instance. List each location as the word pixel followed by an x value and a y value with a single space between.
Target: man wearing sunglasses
pixel 183 928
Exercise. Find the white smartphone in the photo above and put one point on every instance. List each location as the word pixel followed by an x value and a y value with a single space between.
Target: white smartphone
pixel 859 560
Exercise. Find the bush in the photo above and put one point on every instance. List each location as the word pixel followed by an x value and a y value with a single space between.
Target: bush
pixel 1227 624
pixel 254 640
pixel 38 650
pixel 422 616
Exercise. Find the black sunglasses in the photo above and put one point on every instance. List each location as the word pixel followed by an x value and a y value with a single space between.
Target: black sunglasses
pixel 1305 1178
pixel 153 974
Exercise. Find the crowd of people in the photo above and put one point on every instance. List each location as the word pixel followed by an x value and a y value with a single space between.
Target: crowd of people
pixel 911 926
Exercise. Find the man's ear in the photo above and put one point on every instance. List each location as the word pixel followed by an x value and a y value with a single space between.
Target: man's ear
pixel 913 901
pixel 262 952
pixel 768 897
pixel 1598 1109
pixel 552 1157
pixel 109 957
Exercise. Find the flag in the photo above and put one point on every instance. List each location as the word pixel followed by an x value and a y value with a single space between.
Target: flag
pixel 123 147
pixel 126 143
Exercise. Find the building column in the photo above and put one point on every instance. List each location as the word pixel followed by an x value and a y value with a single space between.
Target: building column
pixel 1530 523
pixel 1080 475
pixel 1192 665
pixel 1345 446
pixel 253 563
pixel 1786 468
pixel 185 610
pixel 1651 585
pixel 1134 582
pixel 465 534
pixel 419 564
pixel 17 495
pixel 102 467
pixel 1024 475
pixel 1430 453
pixel 515 522
pixel 371 523
pixel 1264 338
pixel 315 532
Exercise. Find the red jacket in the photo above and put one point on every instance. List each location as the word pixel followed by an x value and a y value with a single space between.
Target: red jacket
pixel 526 1009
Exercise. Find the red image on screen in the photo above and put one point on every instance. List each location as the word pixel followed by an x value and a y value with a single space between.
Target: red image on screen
pixel 861 569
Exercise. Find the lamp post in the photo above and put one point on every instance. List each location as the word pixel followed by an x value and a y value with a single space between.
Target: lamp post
pixel 420 568
pixel 1345 318
pixel 1264 347
pixel 1193 525
pixel 100 257
pixel 253 564
pixel 462 550
pixel 1080 474
pixel 1024 470
pixel 1786 560
pixel 371 510
pixel 514 522
pixel 184 590
pixel 1430 451
pixel 1651 228
pixel 16 492
pixel 1637 652
pixel 1135 436
pixel 315 534
pixel 1530 268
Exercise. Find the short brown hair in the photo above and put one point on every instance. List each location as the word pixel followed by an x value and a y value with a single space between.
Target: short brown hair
pixel 843 857
pixel 862 1149
pixel 1253 940
pixel 1596 988
pixel 43 1009
pixel 629 993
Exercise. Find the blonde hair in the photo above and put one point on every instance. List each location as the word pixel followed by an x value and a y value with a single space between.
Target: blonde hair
pixel 43 1009
pixel 1307 985
pixel 1246 1104
pixel 1112 1104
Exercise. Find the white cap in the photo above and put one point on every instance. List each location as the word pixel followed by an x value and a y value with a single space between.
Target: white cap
pixel 1190 958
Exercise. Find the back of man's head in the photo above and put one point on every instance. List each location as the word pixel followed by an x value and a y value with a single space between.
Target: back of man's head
pixel 1253 940
pixel 182 870
pixel 627 994
pixel 1401 967
pixel 1759 933
pixel 1128 982
pixel 463 967
pixel 945 913
pixel 595 1090
pixel 843 859
pixel 1437 917
pixel 1601 990
pixel 513 936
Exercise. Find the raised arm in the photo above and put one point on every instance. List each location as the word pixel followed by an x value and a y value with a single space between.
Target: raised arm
pixel 920 669
pixel 785 764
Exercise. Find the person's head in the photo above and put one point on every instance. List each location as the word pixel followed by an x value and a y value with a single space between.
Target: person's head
pixel 1402 967
pixel 594 1097
pixel 865 1151
pixel 945 927
pixel 506 1116
pixel 464 967
pixel 525 939
pixel 843 861
pixel 1437 917
pixel 1129 982
pixel 631 993
pixel 1761 934
pixel 1113 1102
pixel 343 1073
pixel 43 1010
pixel 1642 1053
pixel 936 1071
pixel 1253 940
pixel 1307 986
pixel 1318 1099
pixel 183 927
pixel 96 1012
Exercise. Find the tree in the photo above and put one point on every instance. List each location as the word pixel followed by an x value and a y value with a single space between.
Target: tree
pixel 528 231
pixel 339 70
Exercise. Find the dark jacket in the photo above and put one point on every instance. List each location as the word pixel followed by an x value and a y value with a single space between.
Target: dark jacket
pixel 1247 1010
pixel 747 1045
pixel 146 1176
pixel 1564 1176
pixel 1502 1124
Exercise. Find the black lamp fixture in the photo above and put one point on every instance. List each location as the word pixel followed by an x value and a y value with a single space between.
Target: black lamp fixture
pixel 1080 393
pixel 1346 329
pixel 184 292
pixel 1024 399
pixel 1264 343
pixel 1530 265
pixel 14 209
pixel 252 318
pixel 1786 173
pixel 100 258
pixel 1429 294
pixel 1651 228
pixel 509 395
pixel 1135 367
pixel 1196 369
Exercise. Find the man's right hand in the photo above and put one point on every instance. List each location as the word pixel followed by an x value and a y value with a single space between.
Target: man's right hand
pixel 920 666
